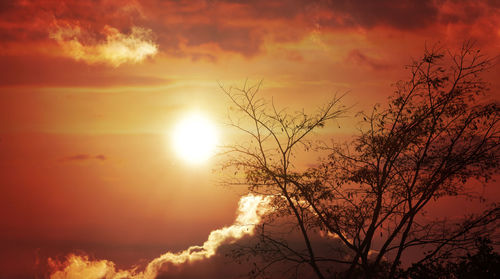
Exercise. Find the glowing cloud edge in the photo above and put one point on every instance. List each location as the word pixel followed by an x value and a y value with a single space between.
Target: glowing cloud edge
pixel 250 210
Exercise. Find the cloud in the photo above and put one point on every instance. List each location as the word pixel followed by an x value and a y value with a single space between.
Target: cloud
pixel 83 157
pixel 236 39
pixel 115 49
pixel 104 31
pixel 404 14
pixel 35 70
pixel 250 210
pixel 359 58
pixel 194 28
pixel 114 32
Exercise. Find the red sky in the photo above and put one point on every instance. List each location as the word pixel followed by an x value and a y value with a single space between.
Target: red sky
pixel 90 91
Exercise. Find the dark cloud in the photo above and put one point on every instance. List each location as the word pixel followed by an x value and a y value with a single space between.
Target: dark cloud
pixel 494 3
pixel 31 19
pixel 242 40
pixel 218 266
pixel 6 5
pixel 83 157
pixel 232 25
pixel 56 71
pixel 229 263
pixel 467 12
pixel 403 14
pixel 223 264
pixel 359 58
pixel 242 26
pixel 272 9
pixel 100 157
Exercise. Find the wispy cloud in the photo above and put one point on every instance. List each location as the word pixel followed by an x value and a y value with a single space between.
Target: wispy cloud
pixel 83 157
pixel 361 59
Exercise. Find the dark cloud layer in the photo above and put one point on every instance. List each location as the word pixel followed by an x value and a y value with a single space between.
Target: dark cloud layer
pixel 231 25
pixel 404 14
pixel 83 157
pixel 361 59
pixel 52 71
pixel 23 18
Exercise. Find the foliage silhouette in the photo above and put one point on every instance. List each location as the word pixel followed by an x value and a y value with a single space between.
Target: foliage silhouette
pixel 485 264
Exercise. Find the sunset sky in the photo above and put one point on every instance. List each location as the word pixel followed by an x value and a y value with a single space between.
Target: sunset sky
pixel 91 92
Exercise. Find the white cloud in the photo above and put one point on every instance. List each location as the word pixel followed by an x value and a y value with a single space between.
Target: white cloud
pixel 115 49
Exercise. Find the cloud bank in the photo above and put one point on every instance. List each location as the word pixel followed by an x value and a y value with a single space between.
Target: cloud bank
pixel 121 31
pixel 250 210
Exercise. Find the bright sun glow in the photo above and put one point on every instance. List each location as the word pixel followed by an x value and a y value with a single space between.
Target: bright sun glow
pixel 195 138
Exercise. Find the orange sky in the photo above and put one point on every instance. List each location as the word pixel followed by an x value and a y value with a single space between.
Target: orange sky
pixel 90 91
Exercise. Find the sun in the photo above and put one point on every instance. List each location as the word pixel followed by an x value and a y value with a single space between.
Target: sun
pixel 195 138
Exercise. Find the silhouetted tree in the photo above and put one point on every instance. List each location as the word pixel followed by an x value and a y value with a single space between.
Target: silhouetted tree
pixel 368 198
pixel 265 160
